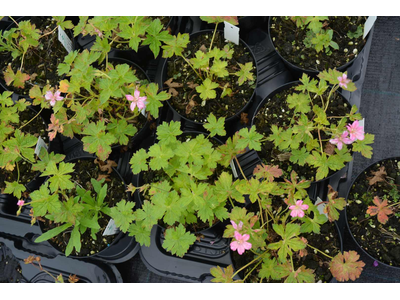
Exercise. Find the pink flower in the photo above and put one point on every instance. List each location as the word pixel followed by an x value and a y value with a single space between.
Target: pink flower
pixel 138 101
pixel 343 139
pixel 20 202
pixel 53 97
pixel 343 81
pixel 241 243
pixel 356 131
pixel 297 210
pixel 237 227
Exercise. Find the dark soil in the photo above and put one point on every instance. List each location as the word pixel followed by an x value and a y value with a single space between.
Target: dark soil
pixel 84 171
pixel 288 40
pixel 37 128
pixel 183 74
pixel 381 241
pixel 42 60
pixel 327 241
pixel 123 44
pixel 275 111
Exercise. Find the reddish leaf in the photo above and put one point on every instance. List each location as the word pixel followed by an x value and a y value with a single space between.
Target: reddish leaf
pixel 222 275
pixel 9 75
pixel 267 172
pixel 20 78
pixel 380 209
pixel 379 175
pixel 345 266
pixel 54 127
pixel 334 205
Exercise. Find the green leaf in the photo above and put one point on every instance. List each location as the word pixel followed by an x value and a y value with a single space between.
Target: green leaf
pixel 363 145
pixel 141 234
pixel 154 99
pixel 302 275
pixel 74 242
pixel 14 188
pixel 121 130
pixel 52 233
pixel 178 241
pixel 299 156
pixel 167 132
pixel 123 215
pixel 159 156
pixel 245 73
pixel 138 161
pixel 154 36
pixel 45 159
pixel 249 138
pixel 97 140
pixel 225 188
pixel 269 269
pixel 222 275
pixel 220 19
pixel 313 224
pixel 321 163
pixel 299 102
pixel 58 176
pixel 43 202
pixel 176 45
pixel 206 89
pixel 219 68
pixel 214 126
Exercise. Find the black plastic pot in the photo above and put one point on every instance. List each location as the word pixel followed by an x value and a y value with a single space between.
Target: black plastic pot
pixel 115 249
pixel 298 71
pixel 3 85
pixel 278 90
pixel 198 126
pixel 346 213
pixel 13 251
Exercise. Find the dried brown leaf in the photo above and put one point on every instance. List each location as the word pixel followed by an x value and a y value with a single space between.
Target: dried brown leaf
pixel 379 176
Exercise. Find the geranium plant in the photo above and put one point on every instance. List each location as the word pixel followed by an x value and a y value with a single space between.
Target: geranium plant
pixel 103 105
pixel 207 71
pixel 274 238
pixel 316 129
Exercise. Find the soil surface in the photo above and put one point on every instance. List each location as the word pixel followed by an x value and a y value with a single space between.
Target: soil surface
pixel 84 171
pixel 36 128
pixel 381 241
pixel 288 40
pixel 42 60
pixel 275 111
pixel 327 241
pixel 187 101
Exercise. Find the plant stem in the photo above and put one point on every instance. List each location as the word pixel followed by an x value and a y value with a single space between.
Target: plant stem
pixel 240 168
pixel 251 271
pixel 253 261
pixel 48 33
pixel 212 40
pixel 31 119
pixel 320 142
pixel 17 171
pixel 320 251
pixel 188 62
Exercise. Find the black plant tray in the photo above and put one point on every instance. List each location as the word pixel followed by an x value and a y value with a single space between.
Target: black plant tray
pixel 13 269
pixel 202 256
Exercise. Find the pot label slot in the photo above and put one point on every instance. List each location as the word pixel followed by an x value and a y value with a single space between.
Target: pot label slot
pixel 111 228
pixel 368 25
pixel 39 145
pixel 231 33
pixel 65 40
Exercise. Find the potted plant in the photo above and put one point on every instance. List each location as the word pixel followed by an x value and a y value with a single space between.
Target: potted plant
pixel 31 51
pixel 106 105
pixel 283 237
pixel 316 43
pixel 78 202
pixel 310 127
pixel 205 74
pixel 22 134
pixel 373 211
pixel 136 38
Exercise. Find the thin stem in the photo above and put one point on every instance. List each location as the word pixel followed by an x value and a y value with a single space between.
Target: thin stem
pixel 291 261
pixel 212 40
pixel 251 271
pixel 14 20
pixel 17 171
pixel 31 119
pixel 244 267
pixel 188 62
pixel 48 32
pixel 320 142
pixel 240 168
pixel 22 61
pixel 320 251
